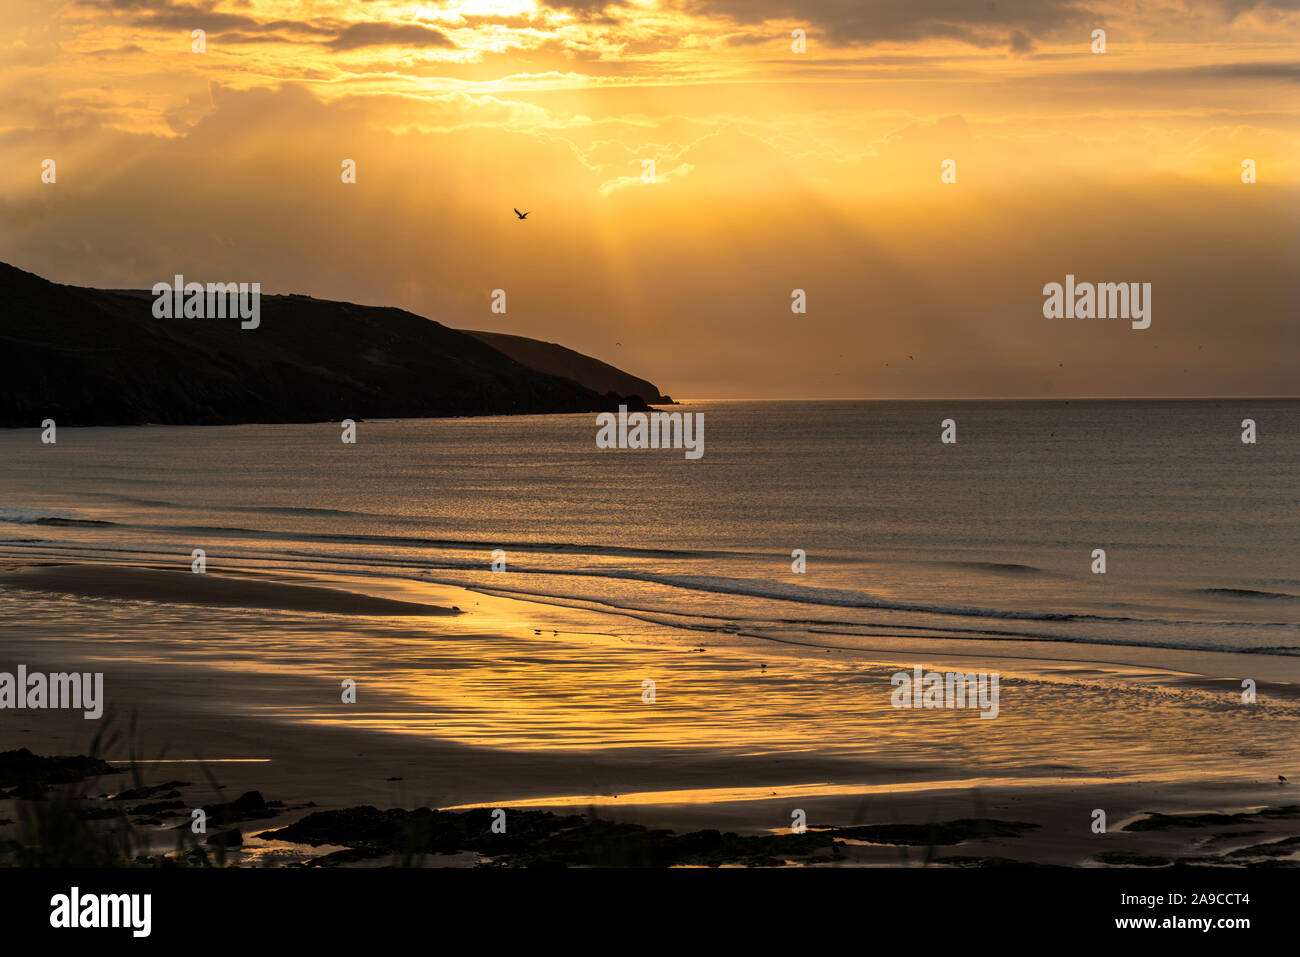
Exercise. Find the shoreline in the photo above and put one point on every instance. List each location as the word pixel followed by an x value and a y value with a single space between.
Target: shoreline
pixel 273 730
pixel 171 586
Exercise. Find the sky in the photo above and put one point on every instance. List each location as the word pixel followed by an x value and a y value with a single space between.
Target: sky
pixel 774 169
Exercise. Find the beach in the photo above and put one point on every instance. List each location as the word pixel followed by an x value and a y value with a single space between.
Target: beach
pixel 521 705
pixel 484 630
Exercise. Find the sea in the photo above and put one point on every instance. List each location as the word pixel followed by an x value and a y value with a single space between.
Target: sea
pixel 1121 523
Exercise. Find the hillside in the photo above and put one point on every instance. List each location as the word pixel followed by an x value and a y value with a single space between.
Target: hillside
pixel 99 357
pixel 554 359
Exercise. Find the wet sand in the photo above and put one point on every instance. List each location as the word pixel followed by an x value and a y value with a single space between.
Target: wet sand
pixel 523 705
pixel 137 583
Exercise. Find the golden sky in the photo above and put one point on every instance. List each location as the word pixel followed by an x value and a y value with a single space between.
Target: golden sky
pixel 775 170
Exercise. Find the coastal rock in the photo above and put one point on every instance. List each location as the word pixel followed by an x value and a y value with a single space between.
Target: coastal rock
pixel 158 808
pixel 540 839
pixel 147 791
pixel 249 806
pixel 30 775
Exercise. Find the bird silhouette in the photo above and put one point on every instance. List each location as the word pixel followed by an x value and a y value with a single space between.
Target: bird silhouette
pixel 1281 779
pixel 522 215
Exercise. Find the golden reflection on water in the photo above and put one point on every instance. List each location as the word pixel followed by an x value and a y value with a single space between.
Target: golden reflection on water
pixel 515 675
pixel 524 691
pixel 766 793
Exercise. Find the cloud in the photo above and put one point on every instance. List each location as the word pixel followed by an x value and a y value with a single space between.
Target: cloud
pixel 596 11
pixel 876 21
pixel 378 33
pixel 1017 23
pixel 168 15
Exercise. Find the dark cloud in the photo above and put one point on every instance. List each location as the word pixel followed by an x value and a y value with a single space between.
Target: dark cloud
pixel 1287 71
pixel 1248 71
pixel 235 38
pixel 238 28
pixel 750 39
pixel 128 4
pixel 378 33
pixel 592 11
pixel 1235 8
pixel 991 23
pixel 163 14
pixel 116 51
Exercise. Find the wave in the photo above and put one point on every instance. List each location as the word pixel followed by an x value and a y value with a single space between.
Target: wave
pixel 72 522
pixel 809 610
pixel 43 516
pixel 48 516
pixel 299 510
pixel 1247 593
pixel 1002 568
pixel 28 516
pixel 427 568
pixel 406 541
pixel 844 598
pixel 780 630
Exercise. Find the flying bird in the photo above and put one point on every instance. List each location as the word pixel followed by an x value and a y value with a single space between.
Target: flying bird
pixel 522 215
